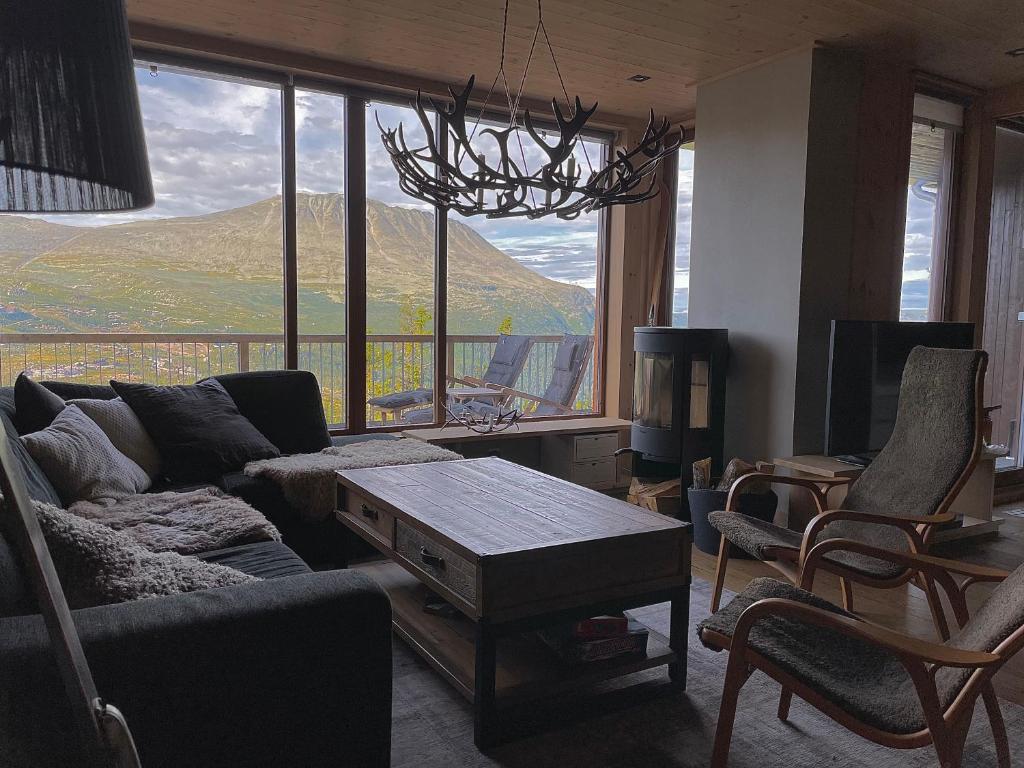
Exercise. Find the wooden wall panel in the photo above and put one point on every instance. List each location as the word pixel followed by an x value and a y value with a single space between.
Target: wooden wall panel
pixel 1003 332
pixel 883 162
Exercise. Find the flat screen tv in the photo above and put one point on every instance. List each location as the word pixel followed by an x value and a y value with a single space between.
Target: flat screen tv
pixel 866 361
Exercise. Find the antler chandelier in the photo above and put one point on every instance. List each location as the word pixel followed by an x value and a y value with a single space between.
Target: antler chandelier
pixel 461 177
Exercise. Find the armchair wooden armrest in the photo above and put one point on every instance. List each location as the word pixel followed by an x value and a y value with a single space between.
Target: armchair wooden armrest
pixel 936 567
pixel 468 381
pixel 908 648
pixel 815 486
pixel 909 526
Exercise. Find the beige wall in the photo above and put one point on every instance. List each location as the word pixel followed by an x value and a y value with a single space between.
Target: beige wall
pixel 746 242
pixel 775 211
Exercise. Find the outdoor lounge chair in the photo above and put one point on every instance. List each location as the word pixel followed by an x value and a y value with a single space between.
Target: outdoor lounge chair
pixel 569 366
pixel 895 690
pixel 507 362
pixel 897 502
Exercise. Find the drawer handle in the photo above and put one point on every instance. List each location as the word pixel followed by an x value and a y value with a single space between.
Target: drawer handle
pixel 431 559
pixel 368 512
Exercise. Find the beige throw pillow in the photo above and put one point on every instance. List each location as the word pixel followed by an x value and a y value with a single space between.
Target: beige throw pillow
pixel 119 422
pixel 81 462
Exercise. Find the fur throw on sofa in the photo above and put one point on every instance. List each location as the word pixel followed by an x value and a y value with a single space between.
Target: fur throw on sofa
pixel 308 482
pixel 98 565
pixel 186 523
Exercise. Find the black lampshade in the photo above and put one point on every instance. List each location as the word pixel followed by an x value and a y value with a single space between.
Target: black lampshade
pixel 71 135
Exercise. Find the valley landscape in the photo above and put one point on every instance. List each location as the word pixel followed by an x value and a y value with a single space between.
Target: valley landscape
pixel 222 272
pixel 212 286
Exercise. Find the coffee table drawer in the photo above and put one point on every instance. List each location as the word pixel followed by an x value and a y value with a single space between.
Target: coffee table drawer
pixel 380 523
pixel 437 561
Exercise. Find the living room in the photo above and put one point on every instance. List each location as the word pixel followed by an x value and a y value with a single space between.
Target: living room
pixel 553 383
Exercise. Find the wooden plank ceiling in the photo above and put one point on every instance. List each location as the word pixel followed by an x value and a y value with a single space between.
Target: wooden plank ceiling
pixel 601 43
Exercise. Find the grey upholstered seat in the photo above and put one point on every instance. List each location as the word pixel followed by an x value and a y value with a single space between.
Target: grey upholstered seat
pixel 869 683
pixel 864 680
pixel 930 448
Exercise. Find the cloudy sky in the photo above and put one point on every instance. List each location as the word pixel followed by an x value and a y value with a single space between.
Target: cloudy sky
pixel 216 144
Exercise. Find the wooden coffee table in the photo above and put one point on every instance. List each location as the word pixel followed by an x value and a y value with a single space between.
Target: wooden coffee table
pixel 514 550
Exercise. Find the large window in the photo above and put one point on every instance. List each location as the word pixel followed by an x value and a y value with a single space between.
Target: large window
pixel 534 278
pixel 198 285
pixel 684 217
pixel 932 155
pixel 319 244
pixel 399 276
pixel 190 287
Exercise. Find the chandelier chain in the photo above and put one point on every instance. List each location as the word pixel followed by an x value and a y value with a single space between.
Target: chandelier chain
pixel 561 80
pixel 500 74
pixel 504 188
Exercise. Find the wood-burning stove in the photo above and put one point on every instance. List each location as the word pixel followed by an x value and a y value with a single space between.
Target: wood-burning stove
pixel 678 399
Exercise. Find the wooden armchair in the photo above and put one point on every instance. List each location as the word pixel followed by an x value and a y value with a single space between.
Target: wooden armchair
pixel 897 502
pixel 892 689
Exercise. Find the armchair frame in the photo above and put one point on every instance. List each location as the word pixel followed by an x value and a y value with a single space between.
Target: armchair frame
pixel 918 530
pixel 946 728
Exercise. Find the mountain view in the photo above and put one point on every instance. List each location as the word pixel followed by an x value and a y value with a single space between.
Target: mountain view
pixel 221 272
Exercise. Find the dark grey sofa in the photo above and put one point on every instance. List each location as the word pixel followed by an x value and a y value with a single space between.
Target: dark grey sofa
pixel 286 407
pixel 293 670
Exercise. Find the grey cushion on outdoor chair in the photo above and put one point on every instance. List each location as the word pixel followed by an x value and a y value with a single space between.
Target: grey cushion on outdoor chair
pixel 930 447
pixel 869 683
pixel 403 399
pixel 570 361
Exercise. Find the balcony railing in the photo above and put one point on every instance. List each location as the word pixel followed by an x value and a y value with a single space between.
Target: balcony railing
pixel 394 362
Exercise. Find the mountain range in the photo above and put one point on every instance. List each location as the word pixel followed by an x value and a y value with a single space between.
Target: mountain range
pixel 222 272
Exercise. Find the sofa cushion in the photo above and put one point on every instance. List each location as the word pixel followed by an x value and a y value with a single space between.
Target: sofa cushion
pixel 81 462
pixel 197 428
pixel 35 406
pixel 98 565
pixel 119 423
pixel 72 390
pixel 264 560
pixel 39 486
pixel 284 405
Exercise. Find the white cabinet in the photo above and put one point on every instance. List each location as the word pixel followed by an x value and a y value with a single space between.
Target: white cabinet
pixel 587 460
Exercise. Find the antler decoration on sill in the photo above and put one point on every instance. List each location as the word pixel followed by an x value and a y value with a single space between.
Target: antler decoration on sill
pixel 462 179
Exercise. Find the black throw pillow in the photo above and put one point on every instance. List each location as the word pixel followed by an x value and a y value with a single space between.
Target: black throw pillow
pixel 197 429
pixel 35 407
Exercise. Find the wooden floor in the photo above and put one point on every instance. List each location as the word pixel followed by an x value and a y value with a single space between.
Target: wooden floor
pixel 906 609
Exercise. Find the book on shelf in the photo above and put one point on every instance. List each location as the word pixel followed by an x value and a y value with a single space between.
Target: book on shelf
pixel 570 648
pixel 600 627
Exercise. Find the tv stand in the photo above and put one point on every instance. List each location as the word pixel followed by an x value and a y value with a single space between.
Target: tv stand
pixel 973 503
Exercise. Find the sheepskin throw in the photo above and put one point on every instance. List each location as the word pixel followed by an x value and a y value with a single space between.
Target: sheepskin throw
pixel 98 565
pixel 308 480
pixel 186 523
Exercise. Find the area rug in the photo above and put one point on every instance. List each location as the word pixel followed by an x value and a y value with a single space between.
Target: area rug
pixel 654 727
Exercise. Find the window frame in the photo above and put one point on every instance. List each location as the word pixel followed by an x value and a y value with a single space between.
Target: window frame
pixel 940 289
pixel 357 98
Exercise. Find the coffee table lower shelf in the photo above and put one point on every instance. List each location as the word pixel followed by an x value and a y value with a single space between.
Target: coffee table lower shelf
pixel 525 669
